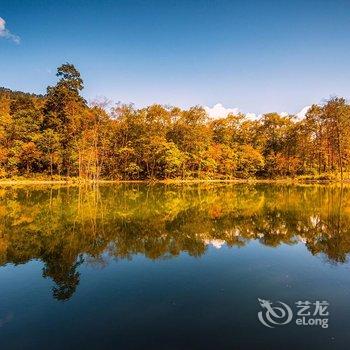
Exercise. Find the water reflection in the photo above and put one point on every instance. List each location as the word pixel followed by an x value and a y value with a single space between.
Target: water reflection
pixel 63 227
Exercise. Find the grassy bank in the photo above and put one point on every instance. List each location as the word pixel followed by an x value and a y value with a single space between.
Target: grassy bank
pixel 42 180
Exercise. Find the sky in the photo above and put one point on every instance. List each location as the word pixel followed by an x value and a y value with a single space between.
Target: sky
pixel 249 56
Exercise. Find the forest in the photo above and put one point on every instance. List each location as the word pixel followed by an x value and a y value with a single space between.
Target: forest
pixel 61 135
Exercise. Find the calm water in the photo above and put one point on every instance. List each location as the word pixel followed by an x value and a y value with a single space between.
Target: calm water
pixel 172 267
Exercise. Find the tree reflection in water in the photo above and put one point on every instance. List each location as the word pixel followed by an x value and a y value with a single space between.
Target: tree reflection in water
pixel 63 226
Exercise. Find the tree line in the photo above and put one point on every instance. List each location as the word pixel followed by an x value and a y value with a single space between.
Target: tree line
pixel 60 135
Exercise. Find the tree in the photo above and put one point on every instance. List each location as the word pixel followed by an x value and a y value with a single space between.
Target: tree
pixel 250 161
pixel 49 144
pixel 59 133
pixel 65 112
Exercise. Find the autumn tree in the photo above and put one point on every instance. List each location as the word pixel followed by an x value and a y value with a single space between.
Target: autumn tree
pixel 64 113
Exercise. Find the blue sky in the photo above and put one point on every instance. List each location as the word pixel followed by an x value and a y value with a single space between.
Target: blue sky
pixel 258 56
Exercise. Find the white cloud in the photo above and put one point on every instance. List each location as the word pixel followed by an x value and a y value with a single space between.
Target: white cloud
pixel 219 111
pixel 301 114
pixel 252 116
pixel 5 33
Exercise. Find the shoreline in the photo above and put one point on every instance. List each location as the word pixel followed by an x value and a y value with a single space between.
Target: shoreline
pixel 80 182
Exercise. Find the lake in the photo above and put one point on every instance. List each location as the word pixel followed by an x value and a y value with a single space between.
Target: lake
pixel 201 266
